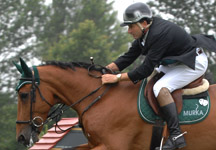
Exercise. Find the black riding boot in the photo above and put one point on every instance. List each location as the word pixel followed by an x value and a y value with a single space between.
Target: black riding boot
pixel 176 139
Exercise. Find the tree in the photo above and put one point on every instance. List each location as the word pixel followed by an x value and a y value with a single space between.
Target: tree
pixel 96 33
pixel 102 14
pixel 198 16
pixel 19 22
pixel 82 43
pixel 60 21
pixel 195 16
pixel 7 122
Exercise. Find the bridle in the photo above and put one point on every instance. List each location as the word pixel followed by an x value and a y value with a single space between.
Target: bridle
pixel 32 121
pixel 53 115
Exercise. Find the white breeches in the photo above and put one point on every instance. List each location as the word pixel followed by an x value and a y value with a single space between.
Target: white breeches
pixel 179 75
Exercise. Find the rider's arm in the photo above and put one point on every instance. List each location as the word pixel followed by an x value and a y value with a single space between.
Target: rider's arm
pixel 112 66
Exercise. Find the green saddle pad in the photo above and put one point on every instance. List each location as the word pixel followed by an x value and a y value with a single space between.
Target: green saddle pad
pixel 194 110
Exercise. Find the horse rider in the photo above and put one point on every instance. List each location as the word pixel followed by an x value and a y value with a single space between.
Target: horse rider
pixel 169 48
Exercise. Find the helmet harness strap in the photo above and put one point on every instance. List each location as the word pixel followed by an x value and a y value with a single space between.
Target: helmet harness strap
pixel 142 28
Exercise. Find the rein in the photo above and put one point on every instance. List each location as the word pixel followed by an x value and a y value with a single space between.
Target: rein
pixel 85 110
pixel 104 71
pixel 53 114
pixel 58 115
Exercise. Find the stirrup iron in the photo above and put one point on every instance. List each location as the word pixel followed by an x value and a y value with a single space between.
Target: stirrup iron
pixel 161 144
pixel 175 138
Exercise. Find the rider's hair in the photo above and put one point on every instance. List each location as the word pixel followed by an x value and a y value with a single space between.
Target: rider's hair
pixel 148 20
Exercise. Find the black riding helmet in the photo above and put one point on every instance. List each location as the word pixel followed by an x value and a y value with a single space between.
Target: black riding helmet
pixel 135 12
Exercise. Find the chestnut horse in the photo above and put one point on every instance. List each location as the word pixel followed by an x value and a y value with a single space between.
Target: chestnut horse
pixel 111 123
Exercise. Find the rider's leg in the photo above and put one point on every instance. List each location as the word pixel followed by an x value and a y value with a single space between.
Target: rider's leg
pixel 170 115
pixel 176 76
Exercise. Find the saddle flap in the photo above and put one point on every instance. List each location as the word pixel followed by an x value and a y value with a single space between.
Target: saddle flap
pixel 177 94
pixel 149 94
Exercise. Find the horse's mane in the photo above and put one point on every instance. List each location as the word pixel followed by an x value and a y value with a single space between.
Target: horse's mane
pixel 65 65
pixel 72 65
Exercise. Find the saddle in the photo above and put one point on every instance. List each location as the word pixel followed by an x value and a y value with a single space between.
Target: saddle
pixel 177 94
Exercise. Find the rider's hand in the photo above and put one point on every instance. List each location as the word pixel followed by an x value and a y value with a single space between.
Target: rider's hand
pixel 109 78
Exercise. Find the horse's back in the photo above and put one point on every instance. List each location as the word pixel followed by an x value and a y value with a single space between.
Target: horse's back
pixel 212 91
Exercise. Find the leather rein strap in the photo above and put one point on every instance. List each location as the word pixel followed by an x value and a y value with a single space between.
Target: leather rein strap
pixel 85 110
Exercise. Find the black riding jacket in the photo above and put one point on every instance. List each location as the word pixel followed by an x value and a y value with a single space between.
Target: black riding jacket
pixel 166 42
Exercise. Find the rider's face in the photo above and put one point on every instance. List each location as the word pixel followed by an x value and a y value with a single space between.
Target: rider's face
pixel 135 31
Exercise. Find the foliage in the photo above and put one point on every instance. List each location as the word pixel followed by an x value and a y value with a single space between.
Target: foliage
pixel 7 122
pixel 197 15
pixel 96 33
pixel 82 43
pixel 60 17
pixel 19 22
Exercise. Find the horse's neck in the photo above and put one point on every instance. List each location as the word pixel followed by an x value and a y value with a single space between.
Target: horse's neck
pixel 69 85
